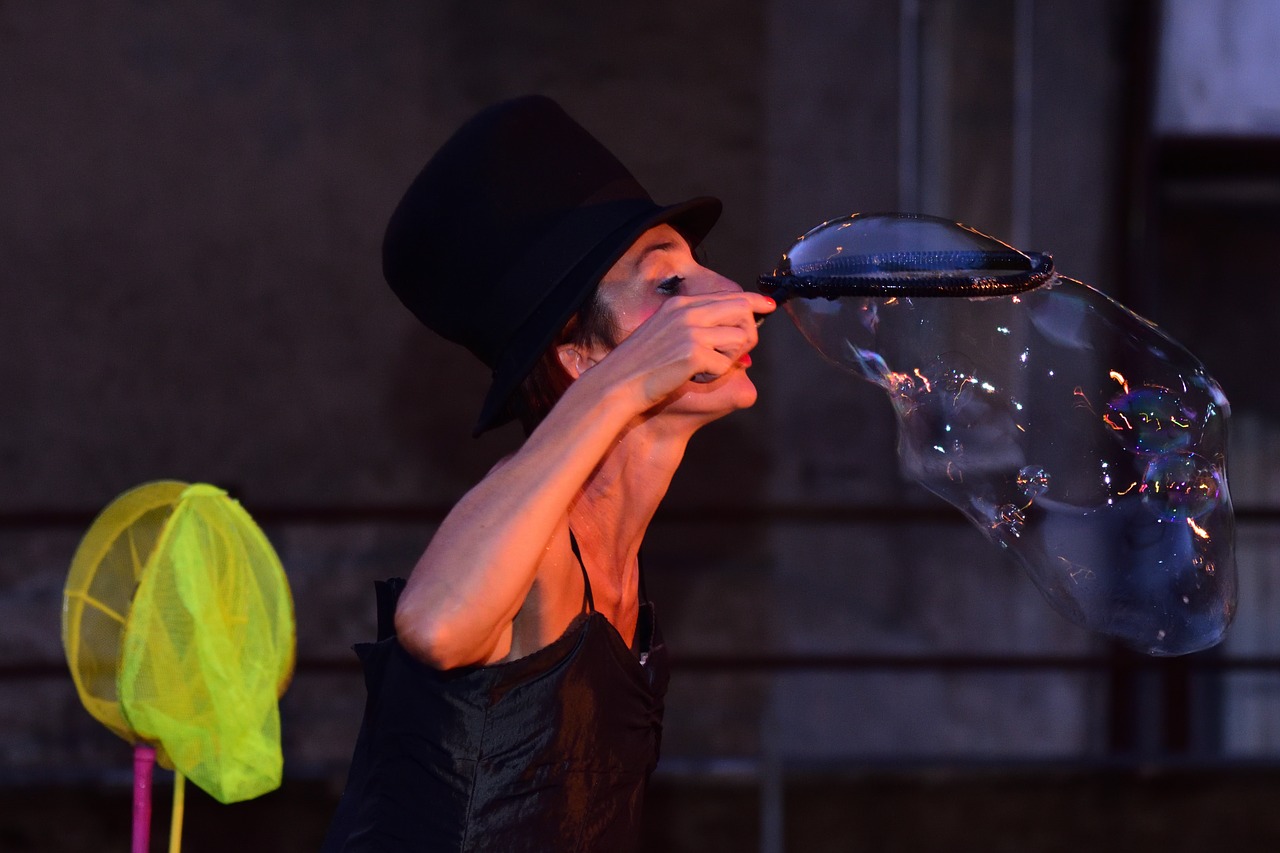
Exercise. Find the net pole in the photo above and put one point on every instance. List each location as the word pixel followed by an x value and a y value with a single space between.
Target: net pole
pixel 144 760
pixel 175 823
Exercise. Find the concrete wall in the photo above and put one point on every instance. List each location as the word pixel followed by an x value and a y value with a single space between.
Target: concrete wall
pixel 191 204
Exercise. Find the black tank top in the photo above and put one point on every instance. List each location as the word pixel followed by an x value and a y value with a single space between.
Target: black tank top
pixel 550 752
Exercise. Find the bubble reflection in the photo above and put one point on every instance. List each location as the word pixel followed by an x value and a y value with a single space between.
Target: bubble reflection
pixel 1034 481
pixel 1073 433
pixel 1152 420
pixel 1180 486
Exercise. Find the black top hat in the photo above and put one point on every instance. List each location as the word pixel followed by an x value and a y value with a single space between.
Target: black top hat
pixel 509 228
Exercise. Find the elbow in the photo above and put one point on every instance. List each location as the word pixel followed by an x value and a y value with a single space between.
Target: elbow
pixel 431 642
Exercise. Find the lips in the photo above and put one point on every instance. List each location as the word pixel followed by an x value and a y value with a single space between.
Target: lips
pixel 743 361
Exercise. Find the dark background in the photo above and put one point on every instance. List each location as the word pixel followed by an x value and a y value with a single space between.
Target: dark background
pixel 192 198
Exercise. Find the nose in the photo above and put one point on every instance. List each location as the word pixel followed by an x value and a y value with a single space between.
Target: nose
pixel 710 281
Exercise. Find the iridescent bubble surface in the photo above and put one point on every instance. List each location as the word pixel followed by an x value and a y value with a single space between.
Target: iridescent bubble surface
pixel 1072 432
pixel 1178 486
pixel 1034 481
pixel 1151 420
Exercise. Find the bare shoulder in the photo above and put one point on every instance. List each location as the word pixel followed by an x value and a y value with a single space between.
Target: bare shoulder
pixel 557 597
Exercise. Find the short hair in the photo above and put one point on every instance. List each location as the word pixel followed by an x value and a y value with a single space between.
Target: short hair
pixel 592 325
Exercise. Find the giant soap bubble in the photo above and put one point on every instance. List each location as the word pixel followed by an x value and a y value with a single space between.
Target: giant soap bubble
pixel 1072 432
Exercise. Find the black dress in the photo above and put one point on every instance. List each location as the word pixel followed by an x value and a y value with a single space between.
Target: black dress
pixel 550 752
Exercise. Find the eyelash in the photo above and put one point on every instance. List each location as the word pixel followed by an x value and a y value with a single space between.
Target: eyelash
pixel 671 286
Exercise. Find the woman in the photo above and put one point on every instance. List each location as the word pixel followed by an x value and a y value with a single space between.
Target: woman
pixel 516 701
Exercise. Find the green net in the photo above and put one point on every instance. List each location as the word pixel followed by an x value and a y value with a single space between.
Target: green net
pixel 179 631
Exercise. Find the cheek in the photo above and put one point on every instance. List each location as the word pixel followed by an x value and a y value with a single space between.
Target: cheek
pixel 628 319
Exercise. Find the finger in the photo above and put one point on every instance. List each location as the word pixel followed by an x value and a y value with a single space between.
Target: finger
pixel 724 366
pixel 727 345
pixel 756 303
pixel 730 341
pixel 719 312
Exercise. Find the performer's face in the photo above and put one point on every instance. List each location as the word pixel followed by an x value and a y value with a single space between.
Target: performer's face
pixel 658 267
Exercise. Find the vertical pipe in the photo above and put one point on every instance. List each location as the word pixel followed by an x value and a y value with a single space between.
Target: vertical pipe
pixel 1023 104
pixel 1131 708
pixel 909 198
pixel 772 802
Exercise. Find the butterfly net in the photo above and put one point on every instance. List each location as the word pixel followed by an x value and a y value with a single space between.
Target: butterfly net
pixel 179 630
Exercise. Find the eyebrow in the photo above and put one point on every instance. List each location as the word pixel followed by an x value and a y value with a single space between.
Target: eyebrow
pixel 661 246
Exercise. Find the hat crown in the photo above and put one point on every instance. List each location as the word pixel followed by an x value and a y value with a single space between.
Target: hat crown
pixel 493 195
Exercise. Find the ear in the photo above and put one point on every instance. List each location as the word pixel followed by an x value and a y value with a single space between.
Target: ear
pixel 574 360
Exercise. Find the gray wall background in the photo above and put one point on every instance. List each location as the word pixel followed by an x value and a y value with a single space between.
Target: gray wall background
pixel 191 203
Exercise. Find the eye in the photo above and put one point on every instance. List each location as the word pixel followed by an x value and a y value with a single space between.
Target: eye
pixel 671 286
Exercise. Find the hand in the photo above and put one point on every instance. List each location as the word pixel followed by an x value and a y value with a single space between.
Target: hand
pixel 704 378
pixel 701 337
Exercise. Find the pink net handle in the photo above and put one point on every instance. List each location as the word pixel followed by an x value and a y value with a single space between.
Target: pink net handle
pixel 144 760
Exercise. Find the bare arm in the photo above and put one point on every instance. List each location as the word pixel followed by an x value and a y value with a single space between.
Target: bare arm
pixel 473 578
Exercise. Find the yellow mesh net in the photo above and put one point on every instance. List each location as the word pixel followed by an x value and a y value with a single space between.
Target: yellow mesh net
pixel 179 631
pixel 104 574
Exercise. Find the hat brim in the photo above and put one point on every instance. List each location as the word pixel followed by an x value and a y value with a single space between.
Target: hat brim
pixel 694 219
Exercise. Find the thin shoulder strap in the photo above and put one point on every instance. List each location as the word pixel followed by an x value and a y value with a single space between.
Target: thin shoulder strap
pixel 387 595
pixel 588 603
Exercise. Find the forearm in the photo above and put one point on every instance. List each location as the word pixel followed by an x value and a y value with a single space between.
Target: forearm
pixel 475 575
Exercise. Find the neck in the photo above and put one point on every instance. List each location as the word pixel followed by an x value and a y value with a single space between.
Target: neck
pixel 613 510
